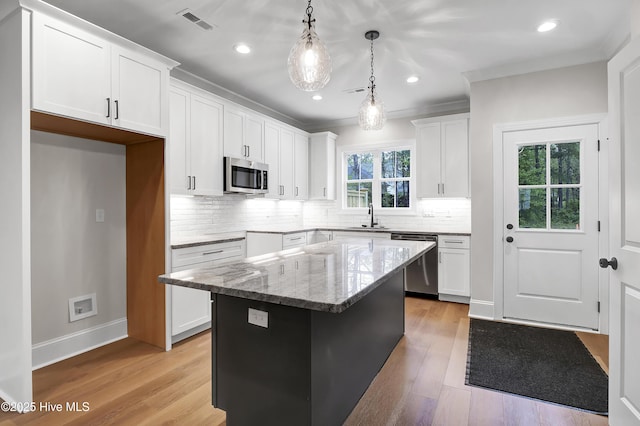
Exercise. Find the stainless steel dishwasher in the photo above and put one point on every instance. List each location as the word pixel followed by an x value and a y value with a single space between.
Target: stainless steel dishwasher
pixel 421 277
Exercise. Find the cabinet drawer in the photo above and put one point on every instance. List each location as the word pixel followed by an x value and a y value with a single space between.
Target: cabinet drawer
pixel 453 241
pixel 217 252
pixel 294 240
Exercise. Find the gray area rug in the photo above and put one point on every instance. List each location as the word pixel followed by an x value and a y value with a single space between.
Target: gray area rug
pixel 539 363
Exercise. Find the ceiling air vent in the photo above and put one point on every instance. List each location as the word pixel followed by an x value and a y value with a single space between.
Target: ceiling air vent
pixel 192 17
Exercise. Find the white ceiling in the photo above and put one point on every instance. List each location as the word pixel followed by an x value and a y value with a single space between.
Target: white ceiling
pixel 447 43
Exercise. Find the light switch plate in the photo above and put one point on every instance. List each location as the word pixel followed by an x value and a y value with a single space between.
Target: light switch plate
pixel 259 318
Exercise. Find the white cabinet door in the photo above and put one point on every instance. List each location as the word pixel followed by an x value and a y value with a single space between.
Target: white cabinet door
pixel 428 161
pixel 190 308
pixel 254 137
pixel 70 72
pixel 314 237
pixel 455 158
pixel 262 243
pixel 139 89
pixel 179 134
pixel 322 166
pixel 442 150
pixel 243 134
pixel 301 167
pixel 453 272
pixel 272 158
pixel 233 132
pixel 195 142
pixel 454 265
pixel 287 160
pixel 206 146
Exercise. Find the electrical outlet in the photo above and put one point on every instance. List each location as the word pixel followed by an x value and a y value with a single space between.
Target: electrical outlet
pixel 259 318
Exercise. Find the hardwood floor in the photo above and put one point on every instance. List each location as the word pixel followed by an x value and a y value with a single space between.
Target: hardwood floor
pixel 422 383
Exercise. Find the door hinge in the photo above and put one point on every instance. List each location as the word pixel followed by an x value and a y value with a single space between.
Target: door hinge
pixel 598 307
pixel 598 226
pixel 598 145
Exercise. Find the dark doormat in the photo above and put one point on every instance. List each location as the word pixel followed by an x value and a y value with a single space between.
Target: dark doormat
pixel 539 363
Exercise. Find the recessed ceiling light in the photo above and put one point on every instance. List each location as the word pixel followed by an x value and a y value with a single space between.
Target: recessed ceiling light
pixel 547 26
pixel 242 48
pixel 413 79
pixel 317 97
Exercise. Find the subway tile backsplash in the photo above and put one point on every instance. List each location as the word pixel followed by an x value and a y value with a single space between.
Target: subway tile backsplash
pixel 194 216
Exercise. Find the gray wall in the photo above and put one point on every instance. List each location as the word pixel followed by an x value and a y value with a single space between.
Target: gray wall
pixel 72 254
pixel 560 92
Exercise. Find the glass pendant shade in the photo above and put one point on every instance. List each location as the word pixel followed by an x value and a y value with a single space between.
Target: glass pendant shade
pixel 309 63
pixel 372 115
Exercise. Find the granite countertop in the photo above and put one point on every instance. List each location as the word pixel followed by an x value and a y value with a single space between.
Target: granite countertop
pixel 205 239
pixel 327 277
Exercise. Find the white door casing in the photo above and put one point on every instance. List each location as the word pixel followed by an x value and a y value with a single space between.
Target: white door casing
pixel 624 342
pixel 551 252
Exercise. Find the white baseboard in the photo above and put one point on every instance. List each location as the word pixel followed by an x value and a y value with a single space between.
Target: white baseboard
pixel 73 344
pixel 453 298
pixel 481 309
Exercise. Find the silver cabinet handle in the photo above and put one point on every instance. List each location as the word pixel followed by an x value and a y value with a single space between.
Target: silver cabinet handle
pixel 294 239
pixel 296 191
pixel 117 110
pixel 324 192
pixel 248 150
pixel 212 252
pixel 454 241
pixel 188 183
pixel 438 188
pixel 194 183
pixel 108 107
pixel 443 189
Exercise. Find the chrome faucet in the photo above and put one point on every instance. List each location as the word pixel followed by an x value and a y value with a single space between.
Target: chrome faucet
pixel 371 213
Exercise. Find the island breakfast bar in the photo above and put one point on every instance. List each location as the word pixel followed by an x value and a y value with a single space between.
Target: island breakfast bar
pixel 298 335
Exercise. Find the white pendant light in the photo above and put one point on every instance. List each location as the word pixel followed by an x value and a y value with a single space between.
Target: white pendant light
pixel 372 115
pixel 309 63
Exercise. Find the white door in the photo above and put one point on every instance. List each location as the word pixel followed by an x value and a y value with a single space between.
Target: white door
pixel 551 226
pixel 624 341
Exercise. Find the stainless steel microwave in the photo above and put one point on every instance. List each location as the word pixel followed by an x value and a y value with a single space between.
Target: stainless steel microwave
pixel 245 176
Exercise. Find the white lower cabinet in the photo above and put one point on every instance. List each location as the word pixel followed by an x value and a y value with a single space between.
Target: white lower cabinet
pixel 259 243
pixel 317 236
pixel 453 268
pixel 191 308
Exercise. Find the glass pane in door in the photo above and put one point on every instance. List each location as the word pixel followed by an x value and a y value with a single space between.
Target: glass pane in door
pixel 565 208
pixel 565 163
pixel 533 208
pixel 532 165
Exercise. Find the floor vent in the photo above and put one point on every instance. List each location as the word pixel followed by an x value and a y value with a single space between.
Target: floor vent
pixel 192 17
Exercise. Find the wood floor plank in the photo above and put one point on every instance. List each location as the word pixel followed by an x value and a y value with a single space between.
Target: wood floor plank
pixel 453 407
pixel 422 383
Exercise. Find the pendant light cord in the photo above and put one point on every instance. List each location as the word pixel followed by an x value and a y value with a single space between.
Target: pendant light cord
pixel 309 11
pixel 372 79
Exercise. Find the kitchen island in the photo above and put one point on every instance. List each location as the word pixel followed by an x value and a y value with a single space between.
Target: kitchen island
pixel 299 335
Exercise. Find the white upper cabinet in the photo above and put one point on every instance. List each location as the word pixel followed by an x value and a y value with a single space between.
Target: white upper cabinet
pixel 301 166
pixel 83 75
pixel 322 166
pixel 272 158
pixel 195 142
pixel 442 148
pixel 243 134
pixel 278 154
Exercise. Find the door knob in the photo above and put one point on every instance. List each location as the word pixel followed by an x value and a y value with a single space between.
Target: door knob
pixel 604 263
pixel 509 239
pixel 509 226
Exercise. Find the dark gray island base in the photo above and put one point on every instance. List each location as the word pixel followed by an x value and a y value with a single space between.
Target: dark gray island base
pixel 335 312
